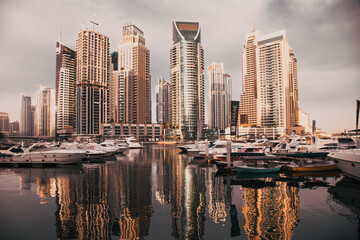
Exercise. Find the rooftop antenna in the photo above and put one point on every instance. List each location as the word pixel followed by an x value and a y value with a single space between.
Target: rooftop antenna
pixel 93 22
pixel 60 35
pixel 254 27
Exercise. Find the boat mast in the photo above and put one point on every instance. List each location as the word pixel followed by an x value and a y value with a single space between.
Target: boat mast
pixel 357 121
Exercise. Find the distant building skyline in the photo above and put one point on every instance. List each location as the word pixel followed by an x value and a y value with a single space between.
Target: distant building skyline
pixel 219 96
pixel 163 101
pixel 4 123
pixel 187 79
pixel 45 112
pixel 92 77
pixel 26 123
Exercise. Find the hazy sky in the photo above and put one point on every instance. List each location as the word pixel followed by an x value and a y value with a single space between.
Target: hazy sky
pixel 325 36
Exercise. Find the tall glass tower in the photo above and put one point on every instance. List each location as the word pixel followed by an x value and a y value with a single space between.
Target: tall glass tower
pixel 187 79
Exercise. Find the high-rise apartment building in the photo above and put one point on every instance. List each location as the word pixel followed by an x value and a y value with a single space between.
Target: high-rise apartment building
pixel 163 101
pixel 270 84
pixel 25 116
pixel 132 78
pixel 113 86
pixel 4 123
pixel 14 128
pixel 187 79
pixel 92 77
pixel 248 99
pixel 65 88
pixel 219 96
pixel 45 112
pixel 33 121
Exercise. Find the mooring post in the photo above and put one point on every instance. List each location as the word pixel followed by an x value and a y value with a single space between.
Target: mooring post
pixel 228 153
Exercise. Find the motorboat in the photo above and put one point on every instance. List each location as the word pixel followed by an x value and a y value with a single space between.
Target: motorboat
pixel 259 167
pixel 305 147
pixel 346 142
pixel 348 161
pixel 109 151
pixel 112 145
pixel 42 153
pixel 130 142
pixel 311 167
pixel 90 153
pixel 219 148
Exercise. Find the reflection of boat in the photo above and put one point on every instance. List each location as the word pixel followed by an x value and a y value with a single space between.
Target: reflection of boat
pixel 348 161
pixel 347 193
pixel 258 169
pixel 257 175
pixel 333 173
pixel 317 167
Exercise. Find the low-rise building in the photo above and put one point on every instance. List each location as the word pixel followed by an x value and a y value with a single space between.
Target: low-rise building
pixel 142 132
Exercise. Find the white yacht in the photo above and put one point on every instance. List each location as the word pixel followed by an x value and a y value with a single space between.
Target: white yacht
pixel 348 161
pixel 219 148
pixel 112 145
pixel 40 153
pixel 109 151
pixel 309 143
pixel 131 142
pixel 89 153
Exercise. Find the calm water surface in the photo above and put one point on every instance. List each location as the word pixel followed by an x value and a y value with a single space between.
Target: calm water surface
pixel 157 193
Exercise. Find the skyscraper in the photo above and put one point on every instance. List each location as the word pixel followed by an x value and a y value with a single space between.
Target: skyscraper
pixel 270 84
pixel 45 112
pixel 163 101
pixel 65 88
pixel 277 82
pixel 92 77
pixel 133 85
pixel 25 116
pixel 248 99
pixel 187 79
pixel 219 96
pixel 4 123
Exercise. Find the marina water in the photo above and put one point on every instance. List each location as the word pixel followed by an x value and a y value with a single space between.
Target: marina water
pixel 157 193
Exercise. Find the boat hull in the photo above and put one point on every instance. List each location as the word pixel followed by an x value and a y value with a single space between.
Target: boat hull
pixel 49 158
pixel 245 169
pixel 303 154
pixel 348 161
pixel 328 167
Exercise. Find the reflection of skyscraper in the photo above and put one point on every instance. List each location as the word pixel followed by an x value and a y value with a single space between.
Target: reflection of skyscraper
pixel 187 79
pixel 187 188
pixel 92 77
pixel 133 199
pixel 217 200
pixel 271 212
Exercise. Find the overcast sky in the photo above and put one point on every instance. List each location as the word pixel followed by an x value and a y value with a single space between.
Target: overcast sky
pixel 325 36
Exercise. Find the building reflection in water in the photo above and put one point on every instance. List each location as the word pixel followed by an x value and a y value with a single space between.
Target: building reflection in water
pixel 272 211
pixel 114 200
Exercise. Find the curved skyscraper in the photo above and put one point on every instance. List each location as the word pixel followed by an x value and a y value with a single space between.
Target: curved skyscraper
pixel 187 79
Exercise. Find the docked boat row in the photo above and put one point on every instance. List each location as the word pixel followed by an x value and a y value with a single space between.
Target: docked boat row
pixel 269 156
pixel 64 153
